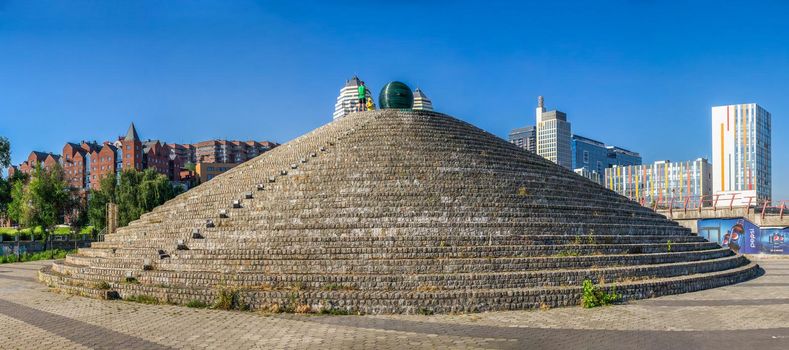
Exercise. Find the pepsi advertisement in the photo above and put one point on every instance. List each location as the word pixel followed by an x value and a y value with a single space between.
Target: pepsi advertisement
pixel 744 237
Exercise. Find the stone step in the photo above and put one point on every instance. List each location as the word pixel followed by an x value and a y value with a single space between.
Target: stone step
pixel 432 301
pixel 520 279
pixel 199 249
pixel 412 264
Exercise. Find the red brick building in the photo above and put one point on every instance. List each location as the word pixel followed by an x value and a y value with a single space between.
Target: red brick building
pixel 76 163
pixel 131 149
pixel 86 163
pixel 225 151
pixel 156 155
pixel 47 160
pixel 103 163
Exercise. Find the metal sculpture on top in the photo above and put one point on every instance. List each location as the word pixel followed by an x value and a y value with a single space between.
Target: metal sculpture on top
pixel 396 95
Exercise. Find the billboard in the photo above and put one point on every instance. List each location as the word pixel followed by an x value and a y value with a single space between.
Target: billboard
pixel 744 237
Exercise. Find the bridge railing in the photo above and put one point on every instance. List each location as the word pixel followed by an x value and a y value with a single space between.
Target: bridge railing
pixel 715 202
pixel 779 209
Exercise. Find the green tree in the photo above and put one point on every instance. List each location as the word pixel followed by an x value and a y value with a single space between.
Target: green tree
pixel 18 202
pixel 190 166
pixel 79 210
pixel 49 198
pixel 5 195
pixel 5 152
pixel 135 193
pixel 97 202
pixel 5 185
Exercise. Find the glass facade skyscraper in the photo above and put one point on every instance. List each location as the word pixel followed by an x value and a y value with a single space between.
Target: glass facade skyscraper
pixel 592 157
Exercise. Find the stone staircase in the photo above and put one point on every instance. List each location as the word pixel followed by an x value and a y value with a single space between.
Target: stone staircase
pixel 397 212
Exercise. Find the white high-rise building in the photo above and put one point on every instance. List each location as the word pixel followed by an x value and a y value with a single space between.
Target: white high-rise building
pixel 421 102
pixel 348 100
pixel 553 135
pixel 741 159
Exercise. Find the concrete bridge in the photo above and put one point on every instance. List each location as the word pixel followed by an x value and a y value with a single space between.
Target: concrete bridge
pixel 761 216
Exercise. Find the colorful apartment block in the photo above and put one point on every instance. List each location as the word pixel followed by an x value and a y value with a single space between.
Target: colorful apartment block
pixel 662 182
pixel 741 151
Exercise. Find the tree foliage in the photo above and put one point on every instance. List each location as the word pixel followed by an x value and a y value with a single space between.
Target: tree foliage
pixel 134 192
pixel 5 185
pixel 5 152
pixel 18 200
pixel 98 199
pixel 48 198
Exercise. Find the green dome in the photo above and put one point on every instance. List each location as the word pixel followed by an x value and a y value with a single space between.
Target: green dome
pixel 396 95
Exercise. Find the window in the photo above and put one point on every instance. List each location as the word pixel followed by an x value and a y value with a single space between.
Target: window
pixel 586 157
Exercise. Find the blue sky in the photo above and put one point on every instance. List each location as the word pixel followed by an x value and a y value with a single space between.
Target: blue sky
pixel 637 74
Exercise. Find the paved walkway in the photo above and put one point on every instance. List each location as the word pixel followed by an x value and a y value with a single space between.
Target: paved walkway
pixel 754 314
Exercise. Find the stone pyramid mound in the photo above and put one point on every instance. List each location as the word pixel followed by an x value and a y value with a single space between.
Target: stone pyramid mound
pixel 396 212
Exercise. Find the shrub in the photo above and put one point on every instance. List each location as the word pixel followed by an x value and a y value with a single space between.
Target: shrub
pixel 334 312
pixel 228 299
pixel 425 311
pixel 196 304
pixel 567 253
pixel 335 287
pixel 144 299
pixel 103 285
pixel 594 296
pixel 668 245
pixel 42 255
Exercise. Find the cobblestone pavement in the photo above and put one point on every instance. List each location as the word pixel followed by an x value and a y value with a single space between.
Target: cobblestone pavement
pixel 754 314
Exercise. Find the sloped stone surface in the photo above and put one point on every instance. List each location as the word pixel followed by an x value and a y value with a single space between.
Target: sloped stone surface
pixel 397 212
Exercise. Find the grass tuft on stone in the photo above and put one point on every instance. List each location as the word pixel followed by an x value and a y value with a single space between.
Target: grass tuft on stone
pixel 198 304
pixel 594 296
pixel 229 299
pixel 143 299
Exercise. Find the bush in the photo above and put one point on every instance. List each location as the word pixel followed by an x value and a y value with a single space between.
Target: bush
pixel 594 296
pixel 43 255
pixel 334 312
pixel 196 304
pixel 425 311
pixel 144 299
pixel 228 299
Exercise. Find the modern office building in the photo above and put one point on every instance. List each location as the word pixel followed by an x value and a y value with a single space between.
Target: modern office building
pixel 592 157
pixel 348 100
pixel 525 137
pixel 421 101
pixel 741 151
pixel 553 135
pixel 662 182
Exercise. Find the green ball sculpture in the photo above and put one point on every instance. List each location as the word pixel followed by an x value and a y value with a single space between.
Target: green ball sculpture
pixel 396 95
